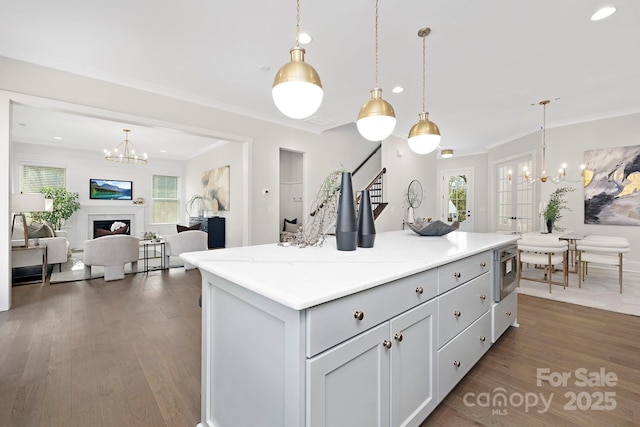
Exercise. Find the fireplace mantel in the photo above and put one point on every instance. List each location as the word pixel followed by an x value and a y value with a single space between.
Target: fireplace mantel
pixel 99 212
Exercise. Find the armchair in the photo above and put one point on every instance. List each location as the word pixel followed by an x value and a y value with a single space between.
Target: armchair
pixel 187 241
pixel 112 252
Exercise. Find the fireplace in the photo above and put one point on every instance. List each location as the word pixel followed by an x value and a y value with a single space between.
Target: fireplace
pixel 111 226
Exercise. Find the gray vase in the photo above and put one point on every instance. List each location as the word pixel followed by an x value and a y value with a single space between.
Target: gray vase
pixel 366 225
pixel 346 226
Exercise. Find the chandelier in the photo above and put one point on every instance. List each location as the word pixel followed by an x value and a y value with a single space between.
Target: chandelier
pixel 562 172
pixel 424 136
pixel 126 152
pixel 376 119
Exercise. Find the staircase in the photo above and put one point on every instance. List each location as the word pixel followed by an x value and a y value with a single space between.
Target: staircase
pixel 375 188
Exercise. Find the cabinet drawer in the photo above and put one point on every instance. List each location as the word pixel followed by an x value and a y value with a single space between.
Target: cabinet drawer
pixel 458 357
pixel 459 307
pixel 459 272
pixel 335 321
pixel 503 314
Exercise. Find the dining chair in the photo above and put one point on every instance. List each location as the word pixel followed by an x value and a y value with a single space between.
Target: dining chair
pixel 546 252
pixel 605 250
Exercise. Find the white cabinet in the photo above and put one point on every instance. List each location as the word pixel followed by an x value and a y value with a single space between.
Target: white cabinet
pixel 504 314
pixel 384 375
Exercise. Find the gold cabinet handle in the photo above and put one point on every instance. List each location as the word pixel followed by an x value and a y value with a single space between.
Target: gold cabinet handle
pixel 359 315
pixel 398 337
pixel 483 264
pixel 457 274
pixel 457 313
pixel 508 313
pixel 456 363
pixel 386 344
pixel 419 290
pixel 483 339
pixel 483 297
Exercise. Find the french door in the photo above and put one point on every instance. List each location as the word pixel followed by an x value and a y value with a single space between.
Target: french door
pixel 515 197
pixel 457 197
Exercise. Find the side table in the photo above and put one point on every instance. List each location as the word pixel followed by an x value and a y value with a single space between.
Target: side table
pixel 32 255
pixel 153 244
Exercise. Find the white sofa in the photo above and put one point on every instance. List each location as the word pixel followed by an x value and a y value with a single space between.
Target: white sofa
pixel 186 241
pixel 57 249
pixel 111 252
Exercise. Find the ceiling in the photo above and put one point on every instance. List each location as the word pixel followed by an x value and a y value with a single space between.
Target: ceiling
pixel 487 61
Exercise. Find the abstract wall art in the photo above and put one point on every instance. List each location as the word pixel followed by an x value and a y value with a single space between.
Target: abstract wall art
pixel 215 186
pixel 612 186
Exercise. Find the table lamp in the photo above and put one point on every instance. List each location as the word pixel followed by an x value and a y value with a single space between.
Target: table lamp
pixel 23 203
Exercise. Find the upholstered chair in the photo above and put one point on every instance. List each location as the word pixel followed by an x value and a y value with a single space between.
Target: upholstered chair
pixel 187 241
pixel 601 250
pixel 112 252
pixel 546 252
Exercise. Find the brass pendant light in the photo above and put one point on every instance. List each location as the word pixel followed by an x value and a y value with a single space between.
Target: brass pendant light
pixel 376 119
pixel 297 90
pixel 562 172
pixel 424 136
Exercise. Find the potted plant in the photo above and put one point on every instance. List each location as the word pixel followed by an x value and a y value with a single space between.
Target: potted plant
pixel 553 210
pixel 65 204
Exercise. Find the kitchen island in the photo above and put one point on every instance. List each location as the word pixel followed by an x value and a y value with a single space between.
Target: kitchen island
pixel 320 337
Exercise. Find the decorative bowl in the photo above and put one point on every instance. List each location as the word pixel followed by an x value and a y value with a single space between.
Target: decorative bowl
pixel 432 228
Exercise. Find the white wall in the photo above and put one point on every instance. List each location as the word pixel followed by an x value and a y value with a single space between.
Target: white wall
pixel 230 154
pixel 82 165
pixel 568 144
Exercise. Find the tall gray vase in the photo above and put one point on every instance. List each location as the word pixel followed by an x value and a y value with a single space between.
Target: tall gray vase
pixel 346 227
pixel 366 225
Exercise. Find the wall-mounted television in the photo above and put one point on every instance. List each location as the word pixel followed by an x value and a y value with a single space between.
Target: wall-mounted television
pixel 110 189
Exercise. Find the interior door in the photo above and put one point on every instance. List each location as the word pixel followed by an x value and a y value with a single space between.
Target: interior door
pixel 457 198
pixel 515 197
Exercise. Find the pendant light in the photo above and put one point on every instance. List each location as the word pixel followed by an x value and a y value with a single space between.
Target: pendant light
pixel 424 136
pixel 376 119
pixel 297 91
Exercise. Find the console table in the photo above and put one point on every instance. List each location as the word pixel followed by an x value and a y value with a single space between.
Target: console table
pixel 214 227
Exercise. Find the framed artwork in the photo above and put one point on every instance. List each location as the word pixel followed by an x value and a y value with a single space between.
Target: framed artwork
pixel 612 186
pixel 216 185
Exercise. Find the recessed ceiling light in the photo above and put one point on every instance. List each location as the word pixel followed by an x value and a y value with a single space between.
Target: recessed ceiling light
pixel 264 68
pixel 163 151
pixel 603 13
pixel 305 38
pixel 397 89
pixel 57 137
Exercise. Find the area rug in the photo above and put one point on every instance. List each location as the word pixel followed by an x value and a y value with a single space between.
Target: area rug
pixel 73 269
pixel 599 290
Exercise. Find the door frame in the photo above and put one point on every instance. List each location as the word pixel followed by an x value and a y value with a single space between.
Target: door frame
pixel 470 173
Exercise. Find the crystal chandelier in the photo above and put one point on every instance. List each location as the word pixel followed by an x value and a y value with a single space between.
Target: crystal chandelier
pixel 126 152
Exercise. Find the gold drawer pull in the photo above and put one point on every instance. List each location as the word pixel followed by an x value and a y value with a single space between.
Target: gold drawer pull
pixel 386 344
pixel 483 297
pixel 457 313
pixel 508 313
pixel 483 264
pixel 483 339
pixel 359 315
pixel 457 274
pixel 398 337
pixel 419 290
pixel 456 363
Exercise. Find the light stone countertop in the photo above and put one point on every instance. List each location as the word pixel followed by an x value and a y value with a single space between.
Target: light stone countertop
pixel 300 278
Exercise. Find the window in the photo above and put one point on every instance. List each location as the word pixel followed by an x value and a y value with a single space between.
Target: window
pixel 35 178
pixel 515 198
pixel 166 203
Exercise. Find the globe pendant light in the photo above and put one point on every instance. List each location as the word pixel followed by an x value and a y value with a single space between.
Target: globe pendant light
pixel 424 136
pixel 376 119
pixel 297 91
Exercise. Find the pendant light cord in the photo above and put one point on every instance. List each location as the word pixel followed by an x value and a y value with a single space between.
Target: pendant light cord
pixel 297 23
pixel 424 73
pixel 377 44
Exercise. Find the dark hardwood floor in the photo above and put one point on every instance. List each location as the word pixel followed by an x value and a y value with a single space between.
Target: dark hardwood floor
pixel 127 353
